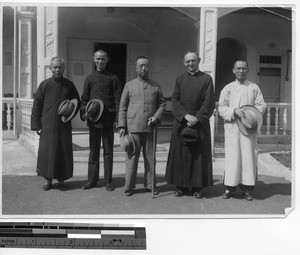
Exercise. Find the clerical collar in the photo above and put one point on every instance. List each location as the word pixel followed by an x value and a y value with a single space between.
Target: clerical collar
pixel 193 73
pixel 102 71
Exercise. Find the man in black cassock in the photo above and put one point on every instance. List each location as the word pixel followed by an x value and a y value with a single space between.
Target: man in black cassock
pixel 189 165
pixel 106 86
pixel 55 154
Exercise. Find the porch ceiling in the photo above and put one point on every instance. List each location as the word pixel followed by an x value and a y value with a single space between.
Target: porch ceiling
pixel 149 20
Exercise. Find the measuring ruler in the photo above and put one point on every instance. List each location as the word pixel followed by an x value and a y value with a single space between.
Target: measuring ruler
pixel 72 235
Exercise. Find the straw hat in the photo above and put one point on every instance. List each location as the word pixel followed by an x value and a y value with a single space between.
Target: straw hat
pixel 67 109
pixel 127 144
pixel 94 109
pixel 252 122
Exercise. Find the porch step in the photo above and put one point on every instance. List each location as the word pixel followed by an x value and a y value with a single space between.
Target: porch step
pixel 119 155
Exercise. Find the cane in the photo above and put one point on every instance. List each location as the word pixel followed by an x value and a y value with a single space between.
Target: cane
pixel 154 157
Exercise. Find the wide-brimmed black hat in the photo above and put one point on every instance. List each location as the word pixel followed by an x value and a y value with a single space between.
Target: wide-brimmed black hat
pixel 94 109
pixel 251 122
pixel 67 109
pixel 188 134
pixel 128 144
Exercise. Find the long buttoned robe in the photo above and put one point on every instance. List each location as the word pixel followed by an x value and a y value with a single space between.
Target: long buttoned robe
pixel 55 154
pixel 240 150
pixel 191 165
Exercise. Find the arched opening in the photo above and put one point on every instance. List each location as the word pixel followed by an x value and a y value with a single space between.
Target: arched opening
pixel 228 50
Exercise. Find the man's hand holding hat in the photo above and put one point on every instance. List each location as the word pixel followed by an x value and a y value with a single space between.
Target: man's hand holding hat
pixel 191 120
pixel 122 131
pixel 93 110
pixel 239 113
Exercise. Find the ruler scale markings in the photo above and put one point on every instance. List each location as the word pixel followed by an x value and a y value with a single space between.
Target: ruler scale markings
pixel 72 235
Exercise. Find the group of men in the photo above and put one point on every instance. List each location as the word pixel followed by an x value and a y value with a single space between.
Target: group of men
pixel 135 111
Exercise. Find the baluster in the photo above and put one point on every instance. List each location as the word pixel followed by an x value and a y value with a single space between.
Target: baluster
pixel 284 120
pixel 8 117
pixel 276 120
pixel 268 120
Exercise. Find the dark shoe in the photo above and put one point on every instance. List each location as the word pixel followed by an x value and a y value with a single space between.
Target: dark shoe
pixel 47 186
pixel 62 184
pixel 156 192
pixel 89 185
pixel 227 194
pixel 179 193
pixel 247 196
pixel 129 193
pixel 109 187
pixel 198 194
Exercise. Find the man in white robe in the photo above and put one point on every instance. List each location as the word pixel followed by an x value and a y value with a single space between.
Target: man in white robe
pixel 240 149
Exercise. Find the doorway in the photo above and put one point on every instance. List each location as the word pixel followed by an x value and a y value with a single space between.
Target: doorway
pixel 228 50
pixel 117 54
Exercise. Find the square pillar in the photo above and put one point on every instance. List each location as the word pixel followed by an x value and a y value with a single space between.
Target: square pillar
pixel 207 48
pixel 25 53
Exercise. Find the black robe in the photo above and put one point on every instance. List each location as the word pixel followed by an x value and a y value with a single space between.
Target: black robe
pixel 55 154
pixel 190 165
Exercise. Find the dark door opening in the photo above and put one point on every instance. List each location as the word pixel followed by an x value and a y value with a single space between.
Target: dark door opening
pixel 228 50
pixel 117 53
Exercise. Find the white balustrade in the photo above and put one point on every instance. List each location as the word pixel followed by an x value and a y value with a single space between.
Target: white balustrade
pixel 281 118
pixel 276 120
pixel 8 115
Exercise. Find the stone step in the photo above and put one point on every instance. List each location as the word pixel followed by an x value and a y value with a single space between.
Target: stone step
pixel 118 159
pixel 119 168
pixel 119 154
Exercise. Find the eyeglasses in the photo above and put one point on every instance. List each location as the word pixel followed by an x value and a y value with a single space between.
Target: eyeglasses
pixel 241 68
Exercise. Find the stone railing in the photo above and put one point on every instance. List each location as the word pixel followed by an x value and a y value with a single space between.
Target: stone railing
pixel 276 120
pixel 27 136
pixel 8 117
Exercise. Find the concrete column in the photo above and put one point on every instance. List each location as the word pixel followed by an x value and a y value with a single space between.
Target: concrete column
pixel 47 40
pixel 207 47
pixel 25 53
pixel 207 42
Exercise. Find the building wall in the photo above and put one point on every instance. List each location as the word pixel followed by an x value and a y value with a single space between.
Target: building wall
pixel 162 34
pixel 170 33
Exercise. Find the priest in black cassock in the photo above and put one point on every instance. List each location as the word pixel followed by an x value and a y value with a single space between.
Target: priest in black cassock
pixel 189 165
pixel 55 154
